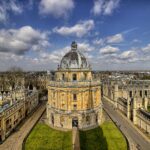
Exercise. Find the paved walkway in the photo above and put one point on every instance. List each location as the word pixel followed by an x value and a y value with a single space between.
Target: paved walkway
pixel 15 140
pixel 75 139
pixel 126 127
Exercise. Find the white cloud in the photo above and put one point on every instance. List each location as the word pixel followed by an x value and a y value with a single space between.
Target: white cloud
pixel 19 41
pixel 115 38
pixel 54 56
pixel 7 7
pixel 126 55
pixel 136 41
pixel 15 7
pixel 79 30
pixel 98 41
pixel 146 48
pixel 109 50
pixel 97 9
pixel 57 8
pixel 105 7
pixel 85 47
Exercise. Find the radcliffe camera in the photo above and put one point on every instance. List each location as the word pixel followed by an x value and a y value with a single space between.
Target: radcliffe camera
pixel 74 75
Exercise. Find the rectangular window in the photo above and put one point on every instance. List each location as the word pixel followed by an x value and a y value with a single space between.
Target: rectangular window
pixel 130 94
pixel 74 106
pixel 74 77
pixel 146 93
pixel 140 93
pixel 74 97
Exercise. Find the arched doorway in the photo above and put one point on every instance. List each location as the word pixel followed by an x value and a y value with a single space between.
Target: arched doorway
pixel 30 87
pixel 75 122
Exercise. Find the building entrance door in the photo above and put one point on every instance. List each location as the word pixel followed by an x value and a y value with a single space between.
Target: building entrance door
pixel 75 122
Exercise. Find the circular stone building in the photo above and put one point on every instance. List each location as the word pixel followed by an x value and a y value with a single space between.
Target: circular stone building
pixel 74 97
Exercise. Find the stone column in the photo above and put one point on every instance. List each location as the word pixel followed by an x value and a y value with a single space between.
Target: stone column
pixel 3 129
pixel 67 96
pixel 116 94
pixel 134 110
pixel 145 102
pixel 128 108
pixel 82 100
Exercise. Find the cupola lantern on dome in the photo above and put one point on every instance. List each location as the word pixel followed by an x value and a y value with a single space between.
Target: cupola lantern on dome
pixel 74 59
pixel 74 46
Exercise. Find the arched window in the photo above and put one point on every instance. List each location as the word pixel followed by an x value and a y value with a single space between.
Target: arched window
pixel 85 76
pixel 63 76
pixel 30 87
pixel 74 77
pixel 140 93
pixel 145 93
pixel 88 119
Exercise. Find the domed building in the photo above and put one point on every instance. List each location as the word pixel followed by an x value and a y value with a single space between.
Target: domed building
pixel 74 97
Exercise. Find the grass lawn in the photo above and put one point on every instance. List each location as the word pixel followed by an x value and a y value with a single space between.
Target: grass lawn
pixel 105 137
pixel 43 137
pixel 148 108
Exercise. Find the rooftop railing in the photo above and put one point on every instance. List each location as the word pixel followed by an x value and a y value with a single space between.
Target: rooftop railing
pixel 74 83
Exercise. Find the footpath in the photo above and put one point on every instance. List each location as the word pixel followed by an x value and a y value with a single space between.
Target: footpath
pixel 15 140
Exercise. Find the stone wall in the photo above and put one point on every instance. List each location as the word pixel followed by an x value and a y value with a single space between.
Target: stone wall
pixel 143 122
pixel 14 114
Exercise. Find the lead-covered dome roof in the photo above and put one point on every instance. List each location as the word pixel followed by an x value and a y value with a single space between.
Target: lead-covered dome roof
pixel 74 59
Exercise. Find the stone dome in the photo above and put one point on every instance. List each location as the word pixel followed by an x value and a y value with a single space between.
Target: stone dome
pixel 74 59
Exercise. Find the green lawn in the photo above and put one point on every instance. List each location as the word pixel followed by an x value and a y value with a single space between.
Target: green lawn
pixel 148 108
pixel 43 137
pixel 105 137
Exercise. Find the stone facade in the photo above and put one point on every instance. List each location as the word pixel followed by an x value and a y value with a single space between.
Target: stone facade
pixel 74 98
pixel 131 98
pixel 16 110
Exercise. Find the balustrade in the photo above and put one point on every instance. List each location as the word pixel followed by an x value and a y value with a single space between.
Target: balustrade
pixel 74 84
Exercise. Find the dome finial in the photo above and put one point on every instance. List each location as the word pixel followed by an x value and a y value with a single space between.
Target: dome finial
pixel 73 45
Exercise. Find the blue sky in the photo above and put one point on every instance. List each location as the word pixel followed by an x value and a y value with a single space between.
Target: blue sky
pixel 112 34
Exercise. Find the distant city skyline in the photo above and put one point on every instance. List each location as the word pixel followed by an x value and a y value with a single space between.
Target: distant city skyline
pixel 112 34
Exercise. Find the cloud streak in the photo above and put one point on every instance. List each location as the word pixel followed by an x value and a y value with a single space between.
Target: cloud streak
pixel 9 6
pixel 80 29
pixel 105 7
